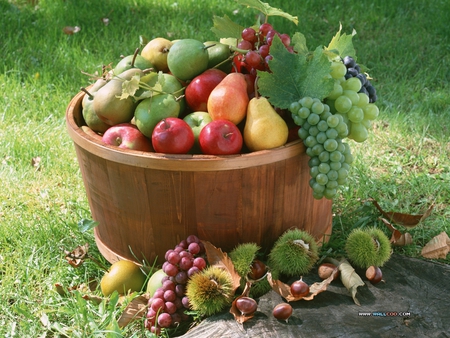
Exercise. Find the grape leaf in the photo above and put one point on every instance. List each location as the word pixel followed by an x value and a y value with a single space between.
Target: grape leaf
pixel 129 87
pixel 342 45
pixel 224 27
pixel 267 10
pixel 293 76
pixel 298 41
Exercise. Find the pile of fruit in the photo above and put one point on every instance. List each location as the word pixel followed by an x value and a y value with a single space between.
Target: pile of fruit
pixel 245 92
pixel 198 280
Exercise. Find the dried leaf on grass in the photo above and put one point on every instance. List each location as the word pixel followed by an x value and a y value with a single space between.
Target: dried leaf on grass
pixel 350 278
pixel 437 247
pixel 70 30
pixel 398 238
pixel 284 290
pixel 406 220
pixel 135 310
pixel 78 255
pixel 86 291
pixel 219 258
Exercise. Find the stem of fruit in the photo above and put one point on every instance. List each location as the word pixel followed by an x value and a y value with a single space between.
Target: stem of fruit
pixel 134 57
pixel 239 50
pixel 87 92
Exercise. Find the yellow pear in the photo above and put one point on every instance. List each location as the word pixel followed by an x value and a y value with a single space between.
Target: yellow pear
pixel 264 127
pixel 122 276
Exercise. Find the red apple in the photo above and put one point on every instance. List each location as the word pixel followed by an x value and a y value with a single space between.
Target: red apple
pixel 198 90
pixel 220 137
pixel 172 135
pixel 127 136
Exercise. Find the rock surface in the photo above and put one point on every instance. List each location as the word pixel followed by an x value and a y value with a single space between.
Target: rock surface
pixel 419 291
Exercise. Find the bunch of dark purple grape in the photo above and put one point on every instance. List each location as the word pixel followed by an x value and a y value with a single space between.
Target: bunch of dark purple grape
pixel 166 308
pixel 353 70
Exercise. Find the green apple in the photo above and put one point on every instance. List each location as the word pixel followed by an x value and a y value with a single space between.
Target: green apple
pixel 197 120
pixel 155 282
pixel 153 109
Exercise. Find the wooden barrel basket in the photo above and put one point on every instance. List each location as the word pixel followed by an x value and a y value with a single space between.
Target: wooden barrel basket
pixel 145 203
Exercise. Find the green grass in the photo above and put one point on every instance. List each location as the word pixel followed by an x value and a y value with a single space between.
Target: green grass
pixel 404 164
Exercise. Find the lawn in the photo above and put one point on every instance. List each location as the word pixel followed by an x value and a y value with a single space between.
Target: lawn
pixel 404 164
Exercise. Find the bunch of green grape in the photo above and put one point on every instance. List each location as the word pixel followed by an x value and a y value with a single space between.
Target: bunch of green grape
pixel 349 101
pixel 322 133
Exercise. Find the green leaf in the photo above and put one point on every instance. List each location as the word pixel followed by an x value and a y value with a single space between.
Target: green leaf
pixel 294 76
pixel 86 225
pixel 342 45
pixel 129 87
pixel 298 41
pixel 267 10
pixel 225 28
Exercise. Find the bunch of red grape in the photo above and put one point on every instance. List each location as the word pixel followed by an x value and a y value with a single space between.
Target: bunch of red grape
pixel 166 308
pixel 257 44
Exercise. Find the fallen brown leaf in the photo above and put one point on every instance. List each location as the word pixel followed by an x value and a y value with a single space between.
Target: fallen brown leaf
pixel 77 256
pixel 135 310
pixel 398 238
pixel 69 30
pixel 437 247
pixel 406 220
pixel 219 258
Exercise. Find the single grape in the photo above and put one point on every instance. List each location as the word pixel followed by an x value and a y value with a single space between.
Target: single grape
pixel 322 179
pixel 186 303
pixel 342 173
pixel 173 257
pixel 329 193
pixel 349 61
pixel 332 184
pixel 355 114
pixel 265 28
pixel 333 121
pixel 324 156
pixel 321 137
pixel 307 102
pixel 332 176
pixel 180 290
pixel 194 248
pixel 253 59
pixel 199 262
pixel 363 100
pixel 313 131
pixel 330 145
pixel 332 133
pixel 285 39
pixel 158 304
pixel 249 34
pixel 314 161
pixel 371 111
pixel 317 108
pixel 185 263
pixel 170 307
pixel 181 277
pixel 304 112
pixel 352 95
pixel 294 107
pixel 318 187
pixel 168 285
pixel 324 168
pixel 264 50
pixel 313 119
pixel 298 120
pixel 338 70
pixel 192 271
pixel 171 269
pixel 353 84
pixel 358 132
pixel 343 104
pixel 314 171
pixel 245 45
pixel 352 71
pixel 164 320
pixel 336 92
pixel 336 165
pixel 322 125
pixel 310 142
pixel 192 239
pixel 303 133
pixel 335 156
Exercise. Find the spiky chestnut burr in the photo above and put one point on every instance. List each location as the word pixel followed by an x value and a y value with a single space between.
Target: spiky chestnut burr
pixel 367 247
pixel 210 290
pixel 294 253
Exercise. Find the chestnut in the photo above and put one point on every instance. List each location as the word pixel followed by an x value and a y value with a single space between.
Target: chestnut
pixel 282 311
pixel 374 274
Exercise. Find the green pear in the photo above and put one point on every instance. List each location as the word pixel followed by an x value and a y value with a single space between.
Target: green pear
pixel 264 127
pixel 187 58
pixel 107 103
pixel 219 55
pixel 132 61
pixel 153 109
pixel 90 117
